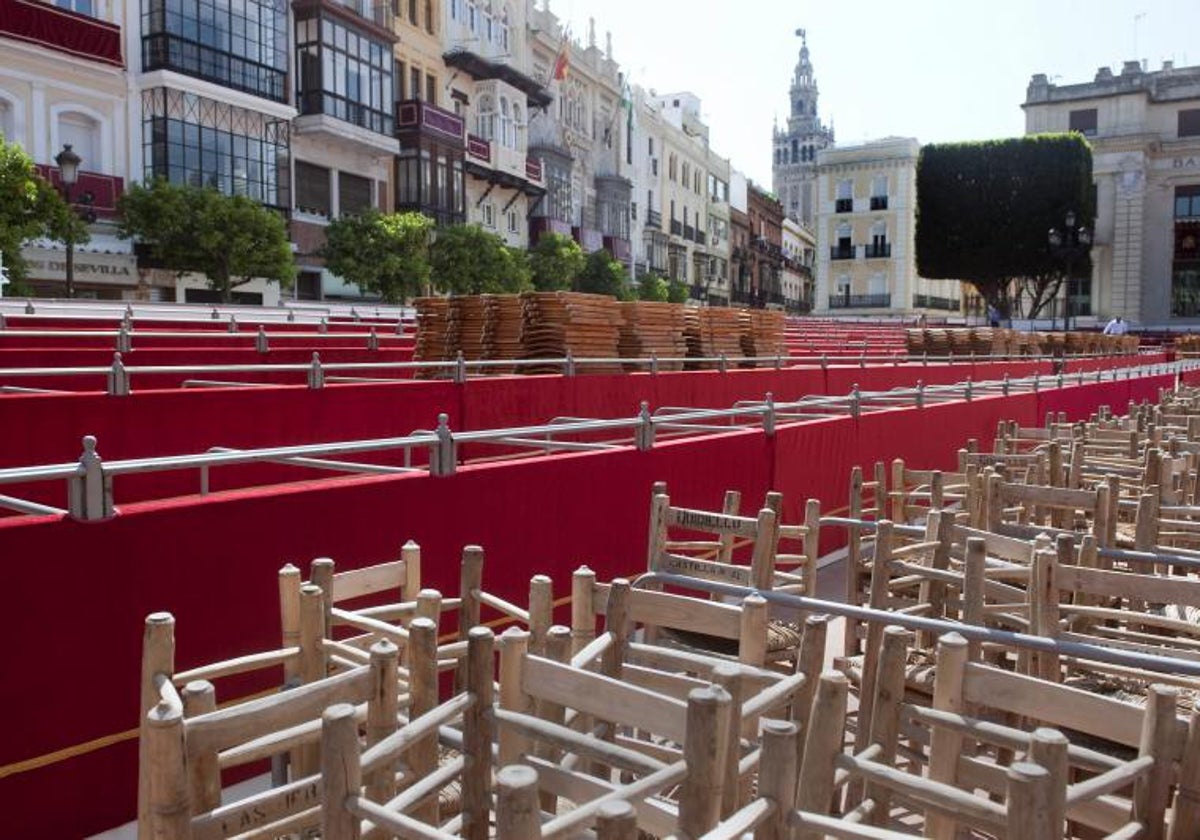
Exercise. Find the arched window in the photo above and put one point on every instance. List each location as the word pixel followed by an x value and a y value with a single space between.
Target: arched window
pixel 429 16
pixel 795 150
pixel 518 121
pixel 504 29
pixel 472 15
pixel 83 133
pixel 485 121
pixel 8 121
pixel 487 23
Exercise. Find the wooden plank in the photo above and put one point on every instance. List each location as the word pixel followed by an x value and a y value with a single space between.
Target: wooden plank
pixel 1056 705
pixel 680 612
pixel 604 697
pixel 709 521
pixel 355 583
pixel 703 569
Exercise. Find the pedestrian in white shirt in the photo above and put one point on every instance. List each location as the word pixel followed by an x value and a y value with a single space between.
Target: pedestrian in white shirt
pixel 1116 327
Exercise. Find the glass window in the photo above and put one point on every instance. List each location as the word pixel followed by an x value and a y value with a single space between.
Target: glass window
pixel 354 193
pixel 1189 122
pixel 355 79
pixel 312 189
pixel 238 45
pixel 1084 121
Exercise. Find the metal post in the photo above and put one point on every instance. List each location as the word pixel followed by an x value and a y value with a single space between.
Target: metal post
pixel 291 316
pixel 460 368
pixel 215 315
pixel 769 415
pixel 644 437
pixel 118 378
pixel 89 490
pixel 124 340
pixel 569 365
pixel 1004 387
pixel 443 459
pixel 969 389
pixel 778 361
pixel 373 340
pixel 316 375
pixel 855 401
pixel 722 363
pixel 920 393
pixel 323 326
pixel 654 362
pixel 233 324
pixel 260 340
pixel 29 310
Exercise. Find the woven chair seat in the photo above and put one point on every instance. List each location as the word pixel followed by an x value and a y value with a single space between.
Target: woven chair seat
pixel 782 637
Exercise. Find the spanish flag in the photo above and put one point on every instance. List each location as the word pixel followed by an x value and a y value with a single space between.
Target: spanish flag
pixel 562 61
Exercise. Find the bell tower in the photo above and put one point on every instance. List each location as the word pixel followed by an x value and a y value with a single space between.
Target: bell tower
pixel 795 149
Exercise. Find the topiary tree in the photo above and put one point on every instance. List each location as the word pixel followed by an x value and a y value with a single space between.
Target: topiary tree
pixel 230 239
pixel 602 275
pixel 30 208
pixel 384 253
pixel 984 210
pixel 468 260
pixel 555 261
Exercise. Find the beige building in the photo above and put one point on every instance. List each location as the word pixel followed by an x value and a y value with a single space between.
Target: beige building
pixel 866 223
pixel 684 182
pixel 1144 127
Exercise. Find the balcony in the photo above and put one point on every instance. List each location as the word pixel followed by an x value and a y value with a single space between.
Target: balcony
pixel 849 301
pixel 676 227
pixel 879 202
pixel 700 238
pixel 320 103
pixel 932 302
pixel 70 33
pixel 844 205
pixel 618 247
pixel 689 233
pixel 413 115
pixel 96 192
pixel 654 219
pixel 841 252
pixel 479 149
pixel 878 251
pixel 378 12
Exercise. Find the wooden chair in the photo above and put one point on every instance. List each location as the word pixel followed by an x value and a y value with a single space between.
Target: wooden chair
pixel 187 741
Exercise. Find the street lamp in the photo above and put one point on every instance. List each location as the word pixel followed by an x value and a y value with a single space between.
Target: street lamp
pixel 1068 244
pixel 68 171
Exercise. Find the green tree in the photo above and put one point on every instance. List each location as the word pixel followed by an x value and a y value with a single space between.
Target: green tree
pixel 602 275
pixel 468 260
pixel 652 287
pixel 232 240
pixel 30 208
pixel 677 291
pixel 384 253
pixel 984 209
pixel 556 260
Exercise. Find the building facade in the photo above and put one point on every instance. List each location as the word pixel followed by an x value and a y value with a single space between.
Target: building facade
pixel 799 255
pixel 578 139
pixel 866 233
pixel 763 250
pixel 1144 128
pixel 64 79
pixel 794 173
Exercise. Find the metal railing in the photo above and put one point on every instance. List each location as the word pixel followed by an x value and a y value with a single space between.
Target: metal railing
pixel 90 480
pixel 118 377
pixel 847 301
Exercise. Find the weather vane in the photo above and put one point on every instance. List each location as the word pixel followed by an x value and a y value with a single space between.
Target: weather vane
pixel 801 33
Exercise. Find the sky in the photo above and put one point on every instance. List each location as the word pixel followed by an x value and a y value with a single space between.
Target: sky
pixel 936 70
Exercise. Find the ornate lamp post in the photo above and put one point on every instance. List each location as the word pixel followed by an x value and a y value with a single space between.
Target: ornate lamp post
pixel 68 170
pixel 1068 244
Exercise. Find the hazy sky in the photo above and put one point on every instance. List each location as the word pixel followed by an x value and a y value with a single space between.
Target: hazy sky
pixel 931 69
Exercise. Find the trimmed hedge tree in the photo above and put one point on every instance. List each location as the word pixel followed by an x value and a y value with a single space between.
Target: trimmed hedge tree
pixel 984 209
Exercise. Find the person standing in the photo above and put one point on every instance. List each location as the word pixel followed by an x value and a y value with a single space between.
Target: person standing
pixel 1116 326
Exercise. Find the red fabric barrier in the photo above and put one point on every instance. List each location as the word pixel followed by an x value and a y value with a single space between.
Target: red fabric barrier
pixel 547 514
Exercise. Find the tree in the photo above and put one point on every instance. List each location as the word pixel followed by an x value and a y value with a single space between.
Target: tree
pixel 602 275
pixel 984 209
pixel 30 208
pixel 652 287
pixel 384 253
pixel 556 260
pixel 677 291
pixel 231 239
pixel 468 260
